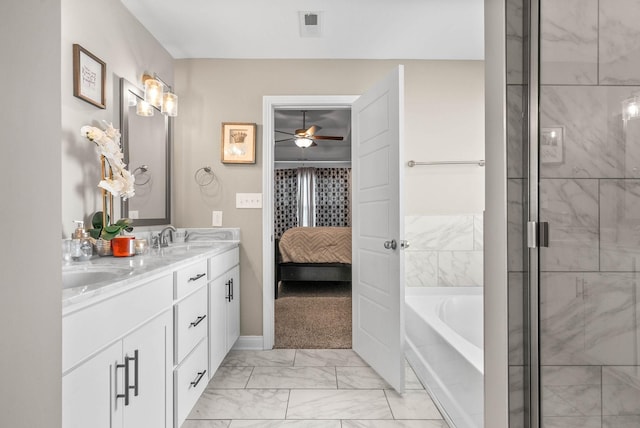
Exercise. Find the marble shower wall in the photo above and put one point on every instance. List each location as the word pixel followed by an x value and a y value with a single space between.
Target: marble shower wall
pixel 444 251
pixel 590 195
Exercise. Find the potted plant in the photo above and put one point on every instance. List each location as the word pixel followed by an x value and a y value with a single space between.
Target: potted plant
pixel 104 234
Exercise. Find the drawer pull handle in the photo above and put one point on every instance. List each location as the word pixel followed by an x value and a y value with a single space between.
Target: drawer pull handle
pixel 198 379
pixel 197 321
pixel 124 366
pixel 136 360
pixel 197 277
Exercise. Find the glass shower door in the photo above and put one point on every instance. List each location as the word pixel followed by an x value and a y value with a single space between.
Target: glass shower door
pixel 589 192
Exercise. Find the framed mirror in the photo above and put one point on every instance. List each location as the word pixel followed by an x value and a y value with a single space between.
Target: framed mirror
pixel 146 145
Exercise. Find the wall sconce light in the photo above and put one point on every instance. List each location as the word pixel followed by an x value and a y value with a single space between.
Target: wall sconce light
pixel 158 94
pixel 304 142
pixel 630 108
pixel 143 108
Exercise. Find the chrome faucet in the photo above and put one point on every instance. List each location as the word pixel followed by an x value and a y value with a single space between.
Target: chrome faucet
pixel 163 238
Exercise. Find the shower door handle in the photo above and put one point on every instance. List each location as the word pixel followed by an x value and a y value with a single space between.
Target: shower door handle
pixel 390 245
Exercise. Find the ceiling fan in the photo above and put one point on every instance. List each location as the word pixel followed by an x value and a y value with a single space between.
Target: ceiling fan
pixel 305 137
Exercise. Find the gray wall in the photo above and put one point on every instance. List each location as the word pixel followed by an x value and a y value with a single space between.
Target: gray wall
pixel 106 29
pixel 216 91
pixel 30 290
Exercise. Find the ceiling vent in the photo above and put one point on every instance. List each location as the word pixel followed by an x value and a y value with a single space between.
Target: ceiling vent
pixel 310 24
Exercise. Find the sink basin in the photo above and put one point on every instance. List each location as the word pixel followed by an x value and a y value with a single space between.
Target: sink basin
pixel 78 278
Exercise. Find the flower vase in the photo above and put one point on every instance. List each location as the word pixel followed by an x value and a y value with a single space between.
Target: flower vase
pixel 103 248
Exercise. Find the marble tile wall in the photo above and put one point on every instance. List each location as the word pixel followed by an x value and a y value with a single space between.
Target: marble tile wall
pixel 590 195
pixel 444 251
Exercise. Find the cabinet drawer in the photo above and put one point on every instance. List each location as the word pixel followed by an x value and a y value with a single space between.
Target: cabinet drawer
pixel 190 323
pixel 189 278
pixel 190 378
pixel 223 262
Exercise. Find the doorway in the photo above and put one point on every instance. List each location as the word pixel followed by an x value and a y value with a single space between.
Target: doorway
pixel 271 105
pixel 312 228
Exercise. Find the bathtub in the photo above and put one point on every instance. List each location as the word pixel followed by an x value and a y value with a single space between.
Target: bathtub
pixel 444 339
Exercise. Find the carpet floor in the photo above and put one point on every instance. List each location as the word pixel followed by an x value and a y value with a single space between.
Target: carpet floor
pixel 313 316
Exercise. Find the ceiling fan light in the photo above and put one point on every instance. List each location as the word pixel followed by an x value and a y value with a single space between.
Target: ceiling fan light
pixel 303 142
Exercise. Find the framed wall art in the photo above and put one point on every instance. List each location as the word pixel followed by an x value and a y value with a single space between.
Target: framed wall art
pixel 238 142
pixel 89 76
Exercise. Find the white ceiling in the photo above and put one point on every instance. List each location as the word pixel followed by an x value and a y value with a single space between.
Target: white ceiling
pixel 353 29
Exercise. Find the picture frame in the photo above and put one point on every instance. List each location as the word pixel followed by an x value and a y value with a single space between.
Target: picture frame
pixel 238 142
pixel 89 77
pixel 552 145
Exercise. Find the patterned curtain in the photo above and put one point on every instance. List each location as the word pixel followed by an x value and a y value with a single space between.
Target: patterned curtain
pixel 286 190
pixel 332 199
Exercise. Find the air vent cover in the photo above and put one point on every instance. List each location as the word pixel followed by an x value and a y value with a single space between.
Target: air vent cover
pixel 310 24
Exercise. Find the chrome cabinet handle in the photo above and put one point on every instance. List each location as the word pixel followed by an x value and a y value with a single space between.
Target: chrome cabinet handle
pixel 136 360
pixel 228 296
pixel 197 277
pixel 197 321
pixel 124 366
pixel 231 288
pixel 198 378
pixel 390 245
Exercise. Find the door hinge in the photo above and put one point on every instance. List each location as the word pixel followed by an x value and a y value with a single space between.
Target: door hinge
pixel 537 234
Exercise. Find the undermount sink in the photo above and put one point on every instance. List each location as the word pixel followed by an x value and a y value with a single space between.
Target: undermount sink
pixel 78 278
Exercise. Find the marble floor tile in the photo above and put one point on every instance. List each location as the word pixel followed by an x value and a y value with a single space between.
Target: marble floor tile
pixel 412 405
pixel 229 377
pixel 293 377
pixel 205 424
pixel 270 358
pixel 287 424
pixel 359 378
pixel 338 404
pixel 394 424
pixel 241 404
pixel 328 358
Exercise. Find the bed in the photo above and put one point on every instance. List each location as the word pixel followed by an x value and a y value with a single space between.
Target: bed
pixel 313 254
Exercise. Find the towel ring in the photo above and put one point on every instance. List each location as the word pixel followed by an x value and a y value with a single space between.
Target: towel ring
pixel 144 169
pixel 204 176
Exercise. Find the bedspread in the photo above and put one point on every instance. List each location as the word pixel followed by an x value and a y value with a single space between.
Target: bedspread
pixel 316 245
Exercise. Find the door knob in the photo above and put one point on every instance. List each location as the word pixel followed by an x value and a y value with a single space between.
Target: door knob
pixel 390 245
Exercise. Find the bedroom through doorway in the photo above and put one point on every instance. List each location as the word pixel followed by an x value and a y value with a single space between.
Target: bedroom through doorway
pixel 312 228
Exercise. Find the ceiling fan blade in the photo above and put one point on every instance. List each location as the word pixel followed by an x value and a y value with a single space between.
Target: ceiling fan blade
pixel 283 132
pixel 327 137
pixel 286 139
pixel 312 130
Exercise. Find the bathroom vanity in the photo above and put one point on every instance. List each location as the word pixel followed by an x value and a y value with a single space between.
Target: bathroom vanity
pixel 143 335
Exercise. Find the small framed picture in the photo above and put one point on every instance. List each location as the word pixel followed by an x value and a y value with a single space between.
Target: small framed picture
pixel 89 74
pixel 552 145
pixel 238 142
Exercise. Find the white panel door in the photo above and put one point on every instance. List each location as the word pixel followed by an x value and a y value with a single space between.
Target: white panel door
pixel 378 277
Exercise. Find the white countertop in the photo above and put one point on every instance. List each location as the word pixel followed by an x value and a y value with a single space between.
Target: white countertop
pixel 128 272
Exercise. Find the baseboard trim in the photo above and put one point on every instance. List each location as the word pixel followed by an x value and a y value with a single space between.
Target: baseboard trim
pixel 249 343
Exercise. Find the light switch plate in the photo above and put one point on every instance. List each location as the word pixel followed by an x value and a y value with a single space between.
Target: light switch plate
pixel 216 218
pixel 248 200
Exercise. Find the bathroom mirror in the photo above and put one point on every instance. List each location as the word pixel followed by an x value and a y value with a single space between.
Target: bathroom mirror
pixel 146 144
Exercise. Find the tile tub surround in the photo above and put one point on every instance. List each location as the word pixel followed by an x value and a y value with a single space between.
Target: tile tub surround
pixel 444 251
pixel 309 388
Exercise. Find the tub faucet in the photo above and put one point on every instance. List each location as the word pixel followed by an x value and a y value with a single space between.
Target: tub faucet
pixel 163 238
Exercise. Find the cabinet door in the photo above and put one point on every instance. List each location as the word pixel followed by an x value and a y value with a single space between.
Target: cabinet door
pixel 150 375
pixel 218 291
pixel 233 308
pixel 88 392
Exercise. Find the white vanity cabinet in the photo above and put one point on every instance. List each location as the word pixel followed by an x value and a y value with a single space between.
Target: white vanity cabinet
pixel 191 372
pixel 224 305
pixel 116 360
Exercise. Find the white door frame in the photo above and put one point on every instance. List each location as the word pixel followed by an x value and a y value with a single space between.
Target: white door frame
pixel 269 105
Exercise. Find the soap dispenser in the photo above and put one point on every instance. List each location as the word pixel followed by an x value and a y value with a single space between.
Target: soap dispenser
pixel 82 248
